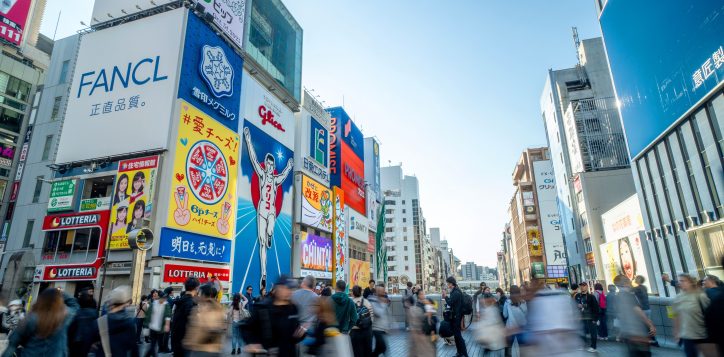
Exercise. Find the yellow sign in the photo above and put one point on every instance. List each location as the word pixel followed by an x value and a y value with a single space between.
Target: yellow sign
pixel 203 198
pixel 535 246
pixel 359 273
pixel 316 204
pixel 132 198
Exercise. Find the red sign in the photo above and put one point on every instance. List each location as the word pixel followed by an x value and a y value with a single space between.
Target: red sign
pixel 140 163
pixel 71 272
pixel 13 15
pixel 77 220
pixel 267 117
pixel 352 179
pixel 174 273
pixel 14 191
pixel 371 243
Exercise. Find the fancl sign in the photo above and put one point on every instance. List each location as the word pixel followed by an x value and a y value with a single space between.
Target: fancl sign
pixel 137 73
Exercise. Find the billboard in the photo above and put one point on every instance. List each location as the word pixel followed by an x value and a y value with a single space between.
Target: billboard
pixel 121 97
pixel 175 243
pixel 105 10
pixel 13 16
pixel 534 242
pixel 312 145
pixel 352 178
pixel 660 70
pixel 339 235
pixel 359 273
pixel 316 255
pixel 555 250
pixel 203 181
pixel 346 131
pixel 211 73
pixel 62 195
pixel 133 198
pixel 263 243
pixel 316 204
pixel 229 15
pixel 625 256
pixel 624 220
pixel 266 112
pixel 357 225
pixel 372 167
pixel 177 273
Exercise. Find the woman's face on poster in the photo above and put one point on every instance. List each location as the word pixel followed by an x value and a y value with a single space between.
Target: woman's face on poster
pixel 123 185
pixel 138 212
pixel 627 260
pixel 121 215
pixel 137 185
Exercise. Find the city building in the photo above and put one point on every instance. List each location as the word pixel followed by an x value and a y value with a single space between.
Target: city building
pixel 587 147
pixel 672 107
pixel 373 194
pixel 404 229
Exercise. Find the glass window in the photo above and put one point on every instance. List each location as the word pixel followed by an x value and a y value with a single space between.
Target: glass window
pixel 28 233
pixel 38 188
pixel 10 120
pixel 56 108
pixel 63 71
pixel 14 87
pixel 98 187
pixel 75 245
pixel 47 146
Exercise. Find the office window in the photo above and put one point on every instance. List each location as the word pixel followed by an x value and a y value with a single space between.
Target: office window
pixel 407 258
pixel 404 220
pixel 56 108
pixel 47 146
pixel 28 232
pixel 38 188
pixel 404 210
pixel 98 187
pixel 63 71
pixel 405 248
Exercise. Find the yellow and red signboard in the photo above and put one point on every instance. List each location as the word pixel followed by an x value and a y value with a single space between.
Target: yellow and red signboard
pixel 359 272
pixel 132 198
pixel 203 198
pixel 535 245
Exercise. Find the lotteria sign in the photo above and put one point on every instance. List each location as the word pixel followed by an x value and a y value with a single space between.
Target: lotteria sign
pixel 70 273
pixel 175 273
pixel 58 222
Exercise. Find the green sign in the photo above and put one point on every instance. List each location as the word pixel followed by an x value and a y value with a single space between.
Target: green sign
pixel 61 195
pixel 95 204
pixel 538 270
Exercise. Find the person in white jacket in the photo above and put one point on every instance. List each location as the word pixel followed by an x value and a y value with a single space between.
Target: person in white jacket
pixel 490 332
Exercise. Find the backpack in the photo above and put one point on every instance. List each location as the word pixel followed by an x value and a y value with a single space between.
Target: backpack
pixel 601 299
pixel 467 307
pixel 364 317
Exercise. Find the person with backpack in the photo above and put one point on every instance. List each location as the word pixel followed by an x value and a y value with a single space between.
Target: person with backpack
pixel 602 305
pixel 588 306
pixel 459 307
pixel 207 328
pixel 361 332
pixel 80 332
pixel 344 308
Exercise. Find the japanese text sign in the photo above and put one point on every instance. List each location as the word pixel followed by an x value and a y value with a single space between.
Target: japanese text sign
pixel 133 198
pixel 316 256
pixel 180 244
pixel 316 204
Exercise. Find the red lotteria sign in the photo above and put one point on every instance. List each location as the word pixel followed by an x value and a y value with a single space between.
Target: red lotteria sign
pixel 77 220
pixel 174 273
pixel 71 272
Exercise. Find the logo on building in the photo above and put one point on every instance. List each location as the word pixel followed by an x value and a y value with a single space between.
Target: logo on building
pixel 217 71
pixel 318 143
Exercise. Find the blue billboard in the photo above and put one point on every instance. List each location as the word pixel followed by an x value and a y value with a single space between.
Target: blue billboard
pixel 344 129
pixel 210 74
pixel 179 244
pixel 664 58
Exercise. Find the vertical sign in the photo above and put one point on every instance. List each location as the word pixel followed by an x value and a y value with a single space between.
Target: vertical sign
pixel 132 198
pixel 555 250
pixel 339 235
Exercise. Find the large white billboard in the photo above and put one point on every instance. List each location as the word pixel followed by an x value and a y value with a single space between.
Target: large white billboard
pixel 229 16
pixel 545 185
pixel 123 89
pixel 266 112
pixel 357 226
pixel 311 155
pixel 106 10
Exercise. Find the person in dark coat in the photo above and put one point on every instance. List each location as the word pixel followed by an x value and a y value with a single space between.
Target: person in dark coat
pixel 80 332
pixel 121 326
pixel 455 301
pixel 182 310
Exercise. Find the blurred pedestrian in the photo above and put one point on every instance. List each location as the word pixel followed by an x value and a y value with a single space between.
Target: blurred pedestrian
pixel 116 331
pixel 635 327
pixel 13 316
pixel 455 301
pixel 369 290
pixel 602 308
pixel 140 317
pixel 419 343
pixel 237 314
pixel 689 323
pixel 380 308
pixel 305 299
pixel 326 292
pixel 344 308
pixel 408 292
pixel 712 286
pixel 326 340
pixel 515 312
pixel 500 300
pixel 249 297
pixel 611 313
pixel 714 319
pixel 429 320
pixel 44 332
pixel 490 331
pixel 206 327
pixel 361 332
pixel 588 306
pixel 180 319
pixel 81 330
pixel 553 321
pixel 166 338
pixel 274 325
pixel 158 322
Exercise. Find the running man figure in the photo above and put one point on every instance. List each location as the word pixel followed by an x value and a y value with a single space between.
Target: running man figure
pixel 266 213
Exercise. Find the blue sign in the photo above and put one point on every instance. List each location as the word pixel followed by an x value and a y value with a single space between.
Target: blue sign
pixel 186 245
pixel 318 142
pixel 663 62
pixel 347 131
pixel 211 74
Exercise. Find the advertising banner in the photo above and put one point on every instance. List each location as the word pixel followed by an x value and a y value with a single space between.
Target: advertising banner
pixel 346 131
pixel 122 94
pixel 347 169
pixel 316 204
pixel 316 256
pixel 357 225
pixel 133 197
pixel 359 273
pixel 555 250
pixel 179 244
pixel 204 175
pixel 339 235
pixel 538 270
pixel 263 243
pixel 624 220
pixel 534 244
pixel 352 179
pixel 312 145
pixel 211 73
pixel 229 15
pixel 176 273
pixel 624 256
pixel 62 194
pixel 13 16
pixel 120 8
pixel 373 209
pixel 372 167
pixel 371 243
pixel 266 112
pixel 95 204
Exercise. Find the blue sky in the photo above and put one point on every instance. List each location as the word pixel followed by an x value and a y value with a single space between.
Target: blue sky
pixel 451 89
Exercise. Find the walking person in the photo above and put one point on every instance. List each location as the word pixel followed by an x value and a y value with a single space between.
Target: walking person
pixel 602 308
pixel 325 339
pixel 369 290
pixel 140 317
pixel 588 306
pixel 44 332
pixel 180 318
pixel 158 322
pixel 361 332
pixel 611 313
pixel 419 343
pixel 408 292
pixel 116 331
pixel 13 316
pixel 80 331
pixel 166 338
pixel 305 299
pixel 491 331
pixel 206 328
pixel 636 327
pixel 689 323
pixel 236 314
pixel 344 308
pixel 455 301
pixel 380 308
pixel 515 311
pixel 249 296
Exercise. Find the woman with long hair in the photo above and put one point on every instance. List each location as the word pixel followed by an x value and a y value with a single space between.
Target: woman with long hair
pixel 121 189
pixel 139 209
pixel 626 258
pixel 689 306
pixel 236 315
pixel 45 330
pixel 139 181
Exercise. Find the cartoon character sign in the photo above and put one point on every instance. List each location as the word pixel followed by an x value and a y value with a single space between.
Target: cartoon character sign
pixel 264 216
pixel 316 204
pixel 339 235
